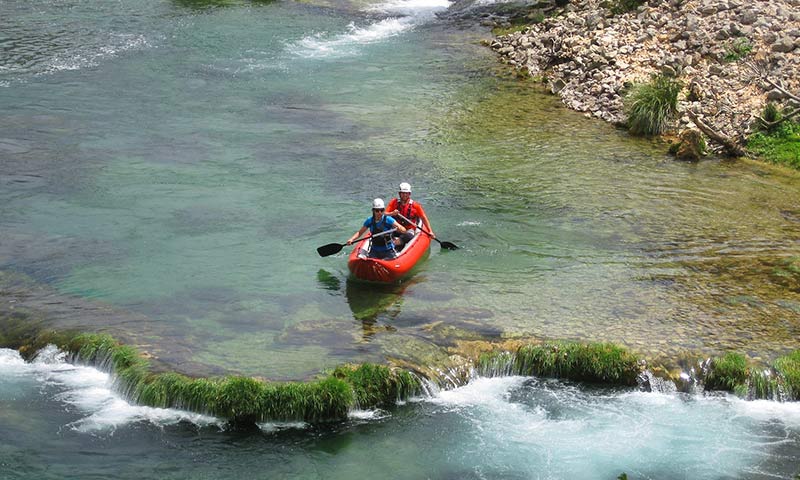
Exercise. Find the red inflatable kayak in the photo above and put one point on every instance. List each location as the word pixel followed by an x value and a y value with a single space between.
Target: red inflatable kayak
pixel 391 269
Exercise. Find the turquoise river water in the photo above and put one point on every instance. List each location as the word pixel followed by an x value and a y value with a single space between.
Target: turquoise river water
pixel 168 168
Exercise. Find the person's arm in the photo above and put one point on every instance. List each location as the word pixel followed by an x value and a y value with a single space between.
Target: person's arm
pixel 356 235
pixel 426 223
pixel 391 209
pixel 396 224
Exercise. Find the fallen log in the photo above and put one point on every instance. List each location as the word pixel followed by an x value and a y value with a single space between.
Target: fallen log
pixel 732 148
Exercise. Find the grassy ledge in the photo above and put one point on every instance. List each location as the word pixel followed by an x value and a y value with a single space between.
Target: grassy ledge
pixel 244 400
pixel 592 362
pixel 608 364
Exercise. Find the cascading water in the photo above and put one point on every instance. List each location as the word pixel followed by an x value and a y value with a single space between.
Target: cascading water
pixel 501 427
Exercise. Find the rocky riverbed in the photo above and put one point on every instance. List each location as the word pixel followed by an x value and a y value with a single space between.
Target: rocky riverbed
pixel 589 56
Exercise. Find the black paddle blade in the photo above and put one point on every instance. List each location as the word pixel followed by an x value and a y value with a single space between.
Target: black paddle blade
pixel 329 249
pixel 448 245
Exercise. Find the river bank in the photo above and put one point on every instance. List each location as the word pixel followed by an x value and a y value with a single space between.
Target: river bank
pixel 733 57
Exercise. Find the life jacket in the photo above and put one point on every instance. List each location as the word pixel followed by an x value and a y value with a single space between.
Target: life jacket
pixel 407 211
pixel 383 242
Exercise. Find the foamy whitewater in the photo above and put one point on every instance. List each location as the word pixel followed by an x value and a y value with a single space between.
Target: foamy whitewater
pixel 544 428
pixel 90 392
pixel 401 16
pixel 579 433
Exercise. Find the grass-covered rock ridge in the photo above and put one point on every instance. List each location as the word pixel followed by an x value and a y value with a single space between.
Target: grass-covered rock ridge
pixel 246 400
pixel 242 400
pixel 609 364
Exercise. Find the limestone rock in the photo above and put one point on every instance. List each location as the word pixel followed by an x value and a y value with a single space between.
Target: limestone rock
pixel 691 146
pixel 590 56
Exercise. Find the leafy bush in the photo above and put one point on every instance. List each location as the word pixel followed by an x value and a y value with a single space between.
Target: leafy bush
pixel 650 106
pixel 770 116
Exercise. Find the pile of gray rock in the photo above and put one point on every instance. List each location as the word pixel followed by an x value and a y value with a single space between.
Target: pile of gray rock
pixel 589 56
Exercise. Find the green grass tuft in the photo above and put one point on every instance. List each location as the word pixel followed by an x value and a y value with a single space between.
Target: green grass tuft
pixel 593 362
pixel 244 400
pixel 377 385
pixel 737 49
pixel 650 106
pixel 240 399
pixel 163 391
pixel 788 368
pixel 727 372
pixel 762 385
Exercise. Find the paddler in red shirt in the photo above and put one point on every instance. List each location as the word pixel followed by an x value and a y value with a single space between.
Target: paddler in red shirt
pixel 411 210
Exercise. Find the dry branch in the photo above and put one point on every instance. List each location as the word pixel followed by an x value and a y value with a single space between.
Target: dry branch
pixel 731 147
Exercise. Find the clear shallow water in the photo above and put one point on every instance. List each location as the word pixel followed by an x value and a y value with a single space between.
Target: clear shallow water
pixel 66 423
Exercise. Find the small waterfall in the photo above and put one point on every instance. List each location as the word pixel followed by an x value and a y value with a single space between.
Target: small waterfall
pixel 766 385
pixel 651 383
pixel 501 365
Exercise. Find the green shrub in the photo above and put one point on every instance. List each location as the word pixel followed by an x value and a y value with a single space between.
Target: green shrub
pixel 650 106
pixel 771 115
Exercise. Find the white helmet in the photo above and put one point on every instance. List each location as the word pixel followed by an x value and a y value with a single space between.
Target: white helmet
pixel 378 203
pixel 405 187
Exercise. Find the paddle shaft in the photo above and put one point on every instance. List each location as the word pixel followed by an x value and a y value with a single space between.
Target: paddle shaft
pixel 445 245
pixel 333 248
pixel 387 232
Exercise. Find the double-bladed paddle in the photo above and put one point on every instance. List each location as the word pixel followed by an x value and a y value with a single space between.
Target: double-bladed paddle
pixel 445 245
pixel 333 248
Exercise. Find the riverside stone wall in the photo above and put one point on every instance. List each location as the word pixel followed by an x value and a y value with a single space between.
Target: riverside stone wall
pixel 588 56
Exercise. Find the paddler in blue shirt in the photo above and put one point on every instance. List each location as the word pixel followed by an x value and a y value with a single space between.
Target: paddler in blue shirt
pixel 382 246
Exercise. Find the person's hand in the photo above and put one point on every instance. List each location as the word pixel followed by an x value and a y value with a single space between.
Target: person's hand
pixel 349 242
pixel 433 235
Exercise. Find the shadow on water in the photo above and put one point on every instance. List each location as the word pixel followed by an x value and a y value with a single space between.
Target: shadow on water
pixel 368 302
